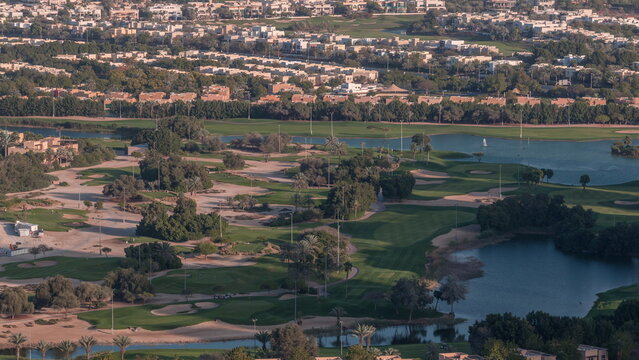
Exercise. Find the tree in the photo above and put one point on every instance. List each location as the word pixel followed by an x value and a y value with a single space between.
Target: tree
pixel 65 301
pixel 358 352
pixel 411 294
pixel 122 342
pixel 17 339
pixel 206 248
pixel 398 184
pixel 432 351
pixel 87 342
pixel 128 284
pixel 49 289
pixel 584 180
pixel 92 294
pixel 98 205
pixel 290 342
pixel 106 251
pixel 15 301
pixel 233 161
pixel 6 139
pixel 338 312
pixel 126 186
pixel 478 156
pixel 43 347
pixel 88 204
pixel 66 347
pixel 453 291
pixel 421 141
pixel 34 251
pixel 263 337
pixel 499 350
pixel 238 353
pixel 360 333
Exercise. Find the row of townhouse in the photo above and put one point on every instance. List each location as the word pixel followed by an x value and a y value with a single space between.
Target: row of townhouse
pixel 15 66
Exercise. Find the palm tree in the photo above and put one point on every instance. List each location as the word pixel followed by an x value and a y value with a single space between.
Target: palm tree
pixel 263 337
pixel 6 139
pixel 43 347
pixel 122 342
pixel 360 333
pixel 67 347
pixel 17 339
pixel 338 312
pixel 87 342
pixel 370 331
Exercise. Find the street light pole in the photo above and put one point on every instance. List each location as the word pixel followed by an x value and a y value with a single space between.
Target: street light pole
pixel 112 315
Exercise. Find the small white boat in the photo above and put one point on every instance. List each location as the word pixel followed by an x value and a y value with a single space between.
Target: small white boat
pixel 485 143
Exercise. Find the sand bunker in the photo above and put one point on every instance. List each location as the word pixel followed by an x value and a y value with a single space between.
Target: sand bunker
pixel 480 172
pixel 206 305
pixel 179 309
pixel 470 232
pixel 96 176
pixel 72 217
pixel 486 197
pixel 626 203
pixel 627 131
pixel 429 182
pixel 286 297
pixel 420 173
pixel 37 264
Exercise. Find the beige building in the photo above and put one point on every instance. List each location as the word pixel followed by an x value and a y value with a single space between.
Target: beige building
pixel 588 352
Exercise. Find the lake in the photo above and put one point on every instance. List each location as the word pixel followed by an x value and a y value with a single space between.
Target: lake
pixel 568 159
pixel 521 275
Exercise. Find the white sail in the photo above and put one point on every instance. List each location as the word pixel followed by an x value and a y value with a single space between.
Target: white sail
pixel 485 143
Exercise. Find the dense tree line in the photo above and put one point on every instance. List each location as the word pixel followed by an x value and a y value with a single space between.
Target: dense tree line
pixel 155 256
pixel 558 335
pixel 618 240
pixel 173 173
pixel 183 225
pixel 23 172
pixel 532 211
pixel 91 154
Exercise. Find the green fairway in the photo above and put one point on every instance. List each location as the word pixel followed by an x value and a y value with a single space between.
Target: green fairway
pixel 367 130
pixel 268 271
pixel 280 193
pixel 49 219
pixel 87 269
pixel 607 302
pixel 103 176
pixel 236 311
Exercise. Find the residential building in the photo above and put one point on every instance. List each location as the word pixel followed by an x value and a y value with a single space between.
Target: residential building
pixel 587 352
pixel 536 355
pixel 459 356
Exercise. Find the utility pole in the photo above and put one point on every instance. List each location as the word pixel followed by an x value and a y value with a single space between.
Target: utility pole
pixel 310 119
pixel 123 205
pixel 401 136
pixel 112 314
pixel 279 139
pixel 220 218
pixel 292 214
pixel 332 124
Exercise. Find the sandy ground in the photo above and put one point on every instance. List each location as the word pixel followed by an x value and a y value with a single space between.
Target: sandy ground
pixel 429 182
pixel 480 172
pixel 627 132
pixel 174 310
pixel 420 173
pixel 626 203
pixel 473 199
pixel 37 264
pixel 206 305
pixel 206 331
pixel 465 233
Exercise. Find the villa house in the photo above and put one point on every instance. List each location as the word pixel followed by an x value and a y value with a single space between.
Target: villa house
pixel 536 355
pixel 54 144
pixel 587 352
pixel 459 356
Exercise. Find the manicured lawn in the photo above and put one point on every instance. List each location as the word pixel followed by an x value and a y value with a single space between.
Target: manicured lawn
pixel 103 176
pixel 607 302
pixel 280 192
pixel 87 269
pixel 237 311
pixel 157 195
pixel 376 130
pixel 48 219
pixel 238 279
